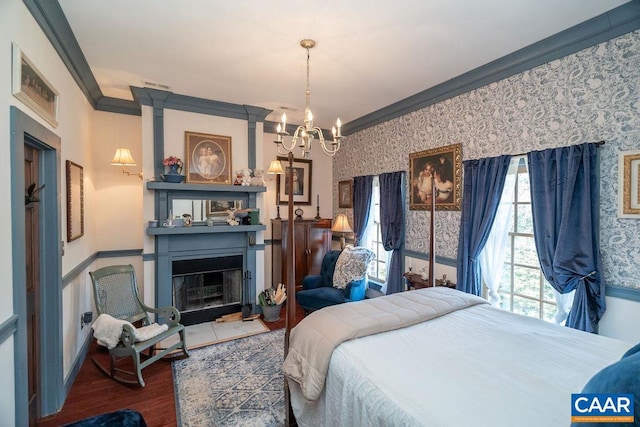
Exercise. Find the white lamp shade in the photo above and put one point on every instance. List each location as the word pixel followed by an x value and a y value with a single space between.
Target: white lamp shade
pixel 123 157
pixel 275 168
pixel 341 224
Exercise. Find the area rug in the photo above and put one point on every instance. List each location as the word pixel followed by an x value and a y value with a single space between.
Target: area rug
pixel 235 383
pixel 208 333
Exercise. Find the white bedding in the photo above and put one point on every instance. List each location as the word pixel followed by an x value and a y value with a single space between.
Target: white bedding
pixel 475 367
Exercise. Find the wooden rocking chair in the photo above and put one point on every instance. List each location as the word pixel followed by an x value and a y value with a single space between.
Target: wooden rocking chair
pixel 115 292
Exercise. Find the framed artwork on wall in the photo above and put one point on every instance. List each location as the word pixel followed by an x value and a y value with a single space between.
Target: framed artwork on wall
pixel 75 201
pixel 345 194
pixel 302 169
pixel 30 87
pixel 208 158
pixel 629 184
pixel 444 165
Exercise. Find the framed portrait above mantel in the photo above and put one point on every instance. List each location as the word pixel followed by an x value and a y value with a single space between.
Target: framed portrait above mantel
pixel 442 165
pixel 302 169
pixel 208 158
pixel 32 88
pixel 629 184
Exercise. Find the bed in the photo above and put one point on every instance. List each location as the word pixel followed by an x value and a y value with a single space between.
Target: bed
pixel 455 362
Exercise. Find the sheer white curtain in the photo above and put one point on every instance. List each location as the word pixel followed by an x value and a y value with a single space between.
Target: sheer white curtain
pixel 491 258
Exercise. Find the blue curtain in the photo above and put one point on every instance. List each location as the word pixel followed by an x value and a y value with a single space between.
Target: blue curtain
pixel 565 200
pixel 362 187
pixel 483 184
pixel 392 203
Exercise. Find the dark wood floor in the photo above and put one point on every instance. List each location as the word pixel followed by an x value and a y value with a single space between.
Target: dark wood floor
pixel 93 393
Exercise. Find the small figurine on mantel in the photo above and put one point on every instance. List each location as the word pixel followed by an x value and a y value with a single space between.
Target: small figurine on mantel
pixel 258 179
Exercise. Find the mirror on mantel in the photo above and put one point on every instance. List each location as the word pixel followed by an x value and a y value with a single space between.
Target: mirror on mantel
pixel 201 209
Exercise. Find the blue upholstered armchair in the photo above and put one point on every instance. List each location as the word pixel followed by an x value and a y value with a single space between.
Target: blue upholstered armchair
pixel 318 291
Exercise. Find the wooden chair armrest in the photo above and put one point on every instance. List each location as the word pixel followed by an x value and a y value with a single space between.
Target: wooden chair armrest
pixel 169 313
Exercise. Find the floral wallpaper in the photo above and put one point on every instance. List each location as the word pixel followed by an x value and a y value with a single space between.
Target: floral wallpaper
pixel 588 96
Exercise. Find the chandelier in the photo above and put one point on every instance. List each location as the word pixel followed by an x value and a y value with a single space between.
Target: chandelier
pixel 304 135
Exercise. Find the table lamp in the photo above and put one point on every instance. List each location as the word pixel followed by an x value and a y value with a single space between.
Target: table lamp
pixel 341 225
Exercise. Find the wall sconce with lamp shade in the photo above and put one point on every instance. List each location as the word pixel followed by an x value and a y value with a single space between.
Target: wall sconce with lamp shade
pixel 123 158
pixel 341 225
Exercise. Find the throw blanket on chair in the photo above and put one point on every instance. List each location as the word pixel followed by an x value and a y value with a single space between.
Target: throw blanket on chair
pixel 313 340
pixel 107 330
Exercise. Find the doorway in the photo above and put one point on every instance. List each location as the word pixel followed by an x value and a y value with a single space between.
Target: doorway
pixel 38 367
pixel 32 283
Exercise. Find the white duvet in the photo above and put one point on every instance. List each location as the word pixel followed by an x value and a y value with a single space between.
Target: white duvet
pixel 478 366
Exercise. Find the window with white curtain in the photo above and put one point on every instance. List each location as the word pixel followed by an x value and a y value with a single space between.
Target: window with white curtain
pixel 373 237
pixel 509 262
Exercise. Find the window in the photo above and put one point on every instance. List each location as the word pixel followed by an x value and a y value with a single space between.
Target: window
pixel 373 238
pixel 523 288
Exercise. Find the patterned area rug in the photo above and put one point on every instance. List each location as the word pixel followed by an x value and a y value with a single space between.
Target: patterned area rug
pixel 235 383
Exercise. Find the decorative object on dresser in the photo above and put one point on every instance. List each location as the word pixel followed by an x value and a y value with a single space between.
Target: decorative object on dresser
pixel 123 158
pixel 208 158
pixel 416 281
pixel 442 165
pixel 341 225
pixel 301 176
pixel 345 194
pixel 75 201
pixel 629 184
pixel 312 242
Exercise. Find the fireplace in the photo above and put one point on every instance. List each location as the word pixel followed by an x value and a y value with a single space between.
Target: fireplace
pixel 207 287
pixel 206 272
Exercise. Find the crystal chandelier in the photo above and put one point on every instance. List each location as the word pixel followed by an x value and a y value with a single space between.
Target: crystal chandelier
pixel 304 135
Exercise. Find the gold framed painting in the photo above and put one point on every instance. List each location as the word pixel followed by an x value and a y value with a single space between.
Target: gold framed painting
pixel 32 88
pixel 302 169
pixel 442 165
pixel 629 184
pixel 208 158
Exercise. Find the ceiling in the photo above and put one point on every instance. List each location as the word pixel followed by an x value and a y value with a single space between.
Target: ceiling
pixel 369 53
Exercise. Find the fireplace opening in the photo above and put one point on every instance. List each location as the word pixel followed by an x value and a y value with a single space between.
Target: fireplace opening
pixel 206 288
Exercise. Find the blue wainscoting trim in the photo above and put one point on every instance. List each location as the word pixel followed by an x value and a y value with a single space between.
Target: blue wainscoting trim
pixel 630 294
pixel 619 21
pixel 149 257
pixel 8 328
pixel 71 276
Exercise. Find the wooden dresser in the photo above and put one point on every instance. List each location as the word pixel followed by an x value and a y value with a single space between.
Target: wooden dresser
pixel 312 242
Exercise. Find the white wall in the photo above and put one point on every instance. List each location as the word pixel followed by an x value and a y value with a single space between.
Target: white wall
pixel 86 138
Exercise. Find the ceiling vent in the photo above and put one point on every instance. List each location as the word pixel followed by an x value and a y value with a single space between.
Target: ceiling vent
pixel 155 85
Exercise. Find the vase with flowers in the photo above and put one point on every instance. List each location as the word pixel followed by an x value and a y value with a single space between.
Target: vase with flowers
pixel 174 169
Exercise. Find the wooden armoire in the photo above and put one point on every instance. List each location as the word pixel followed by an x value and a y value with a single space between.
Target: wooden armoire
pixel 312 240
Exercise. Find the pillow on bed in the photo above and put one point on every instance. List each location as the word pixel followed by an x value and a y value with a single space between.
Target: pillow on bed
pixel 632 350
pixel 351 265
pixel 621 377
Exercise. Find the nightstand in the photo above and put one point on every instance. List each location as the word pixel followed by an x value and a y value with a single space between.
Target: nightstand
pixel 415 281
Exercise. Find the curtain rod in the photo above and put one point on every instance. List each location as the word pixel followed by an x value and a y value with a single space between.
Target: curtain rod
pixel 598 144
